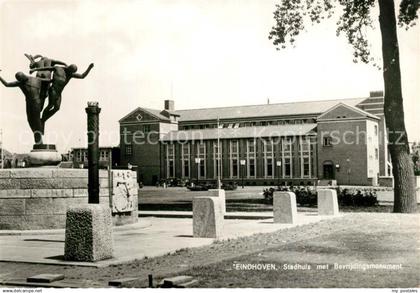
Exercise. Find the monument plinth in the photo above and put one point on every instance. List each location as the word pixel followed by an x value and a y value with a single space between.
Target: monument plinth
pixel 44 155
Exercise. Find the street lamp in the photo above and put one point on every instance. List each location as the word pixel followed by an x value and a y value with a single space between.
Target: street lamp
pixel 1 146
pixel 278 163
pixel 242 171
pixel 348 171
pixel 197 161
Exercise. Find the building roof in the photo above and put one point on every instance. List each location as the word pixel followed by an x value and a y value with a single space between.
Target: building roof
pixel 153 112
pixel 241 132
pixel 266 110
pixel 351 108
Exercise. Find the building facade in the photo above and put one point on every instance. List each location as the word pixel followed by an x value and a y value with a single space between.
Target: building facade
pixel 107 155
pixel 285 144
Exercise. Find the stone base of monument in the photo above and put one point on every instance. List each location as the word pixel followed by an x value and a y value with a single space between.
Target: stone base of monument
pixel 207 217
pixel 126 218
pixel 88 233
pixel 220 193
pixel 38 198
pixel 284 207
pixel 327 202
pixel 44 155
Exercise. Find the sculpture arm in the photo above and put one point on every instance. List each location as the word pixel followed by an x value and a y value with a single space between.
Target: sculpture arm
pixel 31 59
pixel 84 74
pixel 9 84
pixel 49 68
pixel 57 62
pixel 44 79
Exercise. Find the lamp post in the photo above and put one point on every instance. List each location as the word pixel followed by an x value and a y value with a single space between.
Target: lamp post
pixel 93 111
pixel 348 171
pixel 1 146
pixel 242 162
pixel 278 163
pixel 337 168
pixel 197 161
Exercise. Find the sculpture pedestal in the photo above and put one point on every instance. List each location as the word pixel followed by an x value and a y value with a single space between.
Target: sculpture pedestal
pixel 44 155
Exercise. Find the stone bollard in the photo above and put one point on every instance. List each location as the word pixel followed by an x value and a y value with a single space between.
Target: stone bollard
pixel 207 217
pixel 284 207
pixel 88 233
pixel 220 193
pixel 327 202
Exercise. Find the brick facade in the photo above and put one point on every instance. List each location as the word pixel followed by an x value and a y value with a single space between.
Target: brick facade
pixel 181 137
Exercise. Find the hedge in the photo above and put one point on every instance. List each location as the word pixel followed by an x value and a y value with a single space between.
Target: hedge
pixel 307 196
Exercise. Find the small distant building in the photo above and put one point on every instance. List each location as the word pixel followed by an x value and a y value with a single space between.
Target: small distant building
pixel 106 155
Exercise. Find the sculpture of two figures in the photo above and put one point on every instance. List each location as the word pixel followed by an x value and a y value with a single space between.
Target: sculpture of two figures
pixel 48 83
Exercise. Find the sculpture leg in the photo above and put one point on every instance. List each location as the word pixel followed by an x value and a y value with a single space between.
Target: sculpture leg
pixel 33 112
pixel 52 107
pixel 44 93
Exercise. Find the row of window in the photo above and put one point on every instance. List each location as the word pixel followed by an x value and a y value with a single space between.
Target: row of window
pixel 82 156
pixel 247 124
pixel 284 164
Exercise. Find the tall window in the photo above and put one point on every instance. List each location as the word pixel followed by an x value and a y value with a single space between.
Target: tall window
pixel 250 155
pixel 79 155
pixel 170 160
pixel 201 154
pixel 128 150
pixel 327 141
pixel 185 161
pixel 216 160
pixel 305 157
pixel 234 159
pixel 146 128
pixel 103 155
pixel 268 159
pixel 287 157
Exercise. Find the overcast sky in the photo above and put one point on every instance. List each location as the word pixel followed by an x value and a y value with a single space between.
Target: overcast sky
pixel 214 53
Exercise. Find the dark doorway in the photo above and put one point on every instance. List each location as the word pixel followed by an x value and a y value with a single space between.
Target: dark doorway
pixel 154 179
pixel 328 169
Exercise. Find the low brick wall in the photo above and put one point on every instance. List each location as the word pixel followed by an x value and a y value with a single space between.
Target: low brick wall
pixel 38 198
pixel 386 181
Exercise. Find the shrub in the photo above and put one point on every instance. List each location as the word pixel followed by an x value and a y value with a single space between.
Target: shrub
pixel 357 197
pixel 307 196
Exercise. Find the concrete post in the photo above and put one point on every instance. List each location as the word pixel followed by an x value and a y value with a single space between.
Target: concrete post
pixel 207 217
pixel 327 202
pixel 284 207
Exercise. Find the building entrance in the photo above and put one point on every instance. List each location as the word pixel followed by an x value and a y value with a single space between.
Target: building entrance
pixel 328 169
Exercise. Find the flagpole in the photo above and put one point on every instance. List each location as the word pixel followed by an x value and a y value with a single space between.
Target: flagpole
pixel 218 155
pixel 1 145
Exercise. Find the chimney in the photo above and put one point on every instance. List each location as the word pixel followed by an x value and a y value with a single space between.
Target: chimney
pixel 374 94
pixel 169 105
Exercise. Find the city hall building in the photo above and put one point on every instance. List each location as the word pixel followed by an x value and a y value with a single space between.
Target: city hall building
pixel 285 143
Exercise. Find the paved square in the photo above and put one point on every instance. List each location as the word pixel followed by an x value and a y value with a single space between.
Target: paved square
pixel 149 237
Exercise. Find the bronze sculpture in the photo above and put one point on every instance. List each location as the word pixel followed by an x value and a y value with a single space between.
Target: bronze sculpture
pixel 43 62
pixel 61 76
pixel 51 78
pixel 31 88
